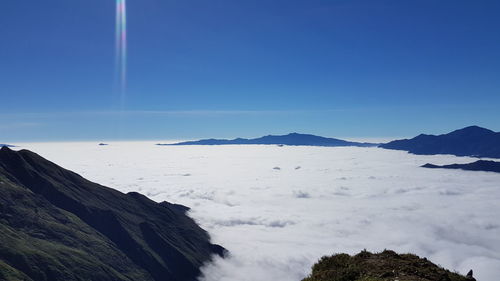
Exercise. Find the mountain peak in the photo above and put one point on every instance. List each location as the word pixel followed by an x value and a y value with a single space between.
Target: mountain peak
pixel 289 139
pixel 473 130
pixel 472 141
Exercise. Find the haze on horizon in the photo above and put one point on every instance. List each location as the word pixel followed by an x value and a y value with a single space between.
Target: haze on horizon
pixel 227 69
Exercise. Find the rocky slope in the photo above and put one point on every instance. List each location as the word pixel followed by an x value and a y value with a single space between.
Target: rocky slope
pixel 56 225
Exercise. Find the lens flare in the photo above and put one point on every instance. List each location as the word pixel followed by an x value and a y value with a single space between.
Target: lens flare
pixel 121 48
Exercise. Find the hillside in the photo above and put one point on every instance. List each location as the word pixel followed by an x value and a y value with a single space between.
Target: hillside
pixel 56 225
pixel 384 266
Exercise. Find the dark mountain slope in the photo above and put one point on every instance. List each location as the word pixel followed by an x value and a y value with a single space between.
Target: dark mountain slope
pixel 290 139
pixel 470 141
pixel 55 225
pixel 481 165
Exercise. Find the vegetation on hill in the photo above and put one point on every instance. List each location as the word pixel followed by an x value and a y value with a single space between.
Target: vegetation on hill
pixel 383 266
pixel 56 225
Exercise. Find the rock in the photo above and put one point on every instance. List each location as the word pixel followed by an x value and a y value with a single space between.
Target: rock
pixel 469 276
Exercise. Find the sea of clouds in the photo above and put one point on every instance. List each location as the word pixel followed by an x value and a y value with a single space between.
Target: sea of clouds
pixel 279 209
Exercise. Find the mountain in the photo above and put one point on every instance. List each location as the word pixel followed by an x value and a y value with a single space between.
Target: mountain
pixel 290 139
pixel 56 225
pixel 470 141
pixel 7 145
pixel 481 165
pixel 384 266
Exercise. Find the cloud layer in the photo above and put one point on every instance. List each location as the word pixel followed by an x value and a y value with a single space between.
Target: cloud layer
pixel 278 222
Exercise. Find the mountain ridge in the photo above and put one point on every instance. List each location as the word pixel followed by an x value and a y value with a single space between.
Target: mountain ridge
pixel 131 237
pixel 471 141
pixel 292 139
pixel 480 165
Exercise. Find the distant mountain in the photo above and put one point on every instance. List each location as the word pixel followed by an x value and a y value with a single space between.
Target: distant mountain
pixel 7 145
pixel 56 225
pixel 290 139
pixel 481 165
pixel 470 141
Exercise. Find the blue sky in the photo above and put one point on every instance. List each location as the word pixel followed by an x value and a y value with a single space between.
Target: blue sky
pixel 199 68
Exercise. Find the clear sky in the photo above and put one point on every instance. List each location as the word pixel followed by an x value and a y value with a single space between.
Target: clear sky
pixel 227 68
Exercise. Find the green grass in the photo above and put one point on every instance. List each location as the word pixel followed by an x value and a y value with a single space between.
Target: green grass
pixel 8 273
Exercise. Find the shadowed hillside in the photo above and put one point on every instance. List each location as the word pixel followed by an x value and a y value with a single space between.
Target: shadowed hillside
pixel 470 141
pixel 56 225
pixel 480 165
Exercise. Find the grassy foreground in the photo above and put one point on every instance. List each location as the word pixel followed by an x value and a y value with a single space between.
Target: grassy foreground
pixel 384 266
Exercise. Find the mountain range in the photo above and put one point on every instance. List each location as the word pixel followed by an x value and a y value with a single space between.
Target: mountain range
pixel 56 225
pixel 290 139
pixel 470 141
pixel 480 165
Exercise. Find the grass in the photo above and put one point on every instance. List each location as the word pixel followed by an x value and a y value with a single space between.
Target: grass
pixel 55 225
pixel 384 266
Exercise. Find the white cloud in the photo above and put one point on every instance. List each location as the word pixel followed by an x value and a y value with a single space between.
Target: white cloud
pixel 277 223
